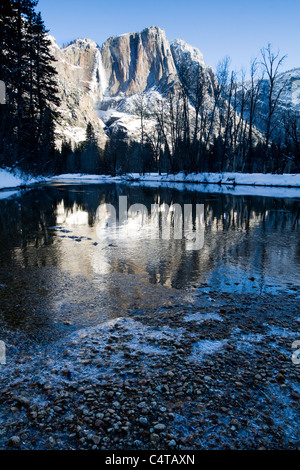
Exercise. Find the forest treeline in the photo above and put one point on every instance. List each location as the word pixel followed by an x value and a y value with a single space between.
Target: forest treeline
pixel 205 123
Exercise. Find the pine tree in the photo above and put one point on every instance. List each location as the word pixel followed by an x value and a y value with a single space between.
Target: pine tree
pixel 90 155
pixel 7 64
pixel 26 66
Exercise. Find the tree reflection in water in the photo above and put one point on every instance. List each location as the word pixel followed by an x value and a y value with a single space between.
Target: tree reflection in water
pixel 56 268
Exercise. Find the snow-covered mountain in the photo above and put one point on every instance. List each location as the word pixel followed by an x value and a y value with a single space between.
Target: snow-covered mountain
pixel 101 84
pixel 290 98
pixel 287 86
pixel 75 65
pixel 189 61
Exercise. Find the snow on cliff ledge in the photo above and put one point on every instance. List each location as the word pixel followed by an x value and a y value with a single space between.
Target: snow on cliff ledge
pixel 186 53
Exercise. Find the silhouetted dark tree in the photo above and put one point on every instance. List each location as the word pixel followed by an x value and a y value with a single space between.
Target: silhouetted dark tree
pixel 271 63
pixel 26 66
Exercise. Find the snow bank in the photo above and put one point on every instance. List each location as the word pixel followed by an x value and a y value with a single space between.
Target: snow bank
pixel 237 190
pixel 239 184
pixel 231 179
pixel 226 183
pixel 10 180
pixel 78 177
pixel 252 179
pixel 8 194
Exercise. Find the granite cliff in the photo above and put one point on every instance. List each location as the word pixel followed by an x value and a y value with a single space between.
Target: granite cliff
pixel 100 84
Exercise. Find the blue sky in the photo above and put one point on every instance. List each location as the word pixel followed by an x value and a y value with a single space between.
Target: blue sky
pixel 218 28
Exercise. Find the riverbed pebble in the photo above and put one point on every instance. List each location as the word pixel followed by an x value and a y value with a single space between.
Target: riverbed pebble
pixel 182 385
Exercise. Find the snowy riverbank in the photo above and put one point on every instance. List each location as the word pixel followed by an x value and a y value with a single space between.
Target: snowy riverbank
pixel 256 184
pixel 227 183
pixel 249 179
pixel 12 180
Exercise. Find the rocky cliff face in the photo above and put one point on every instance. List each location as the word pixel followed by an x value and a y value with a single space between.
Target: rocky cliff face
pixel 100 85
pixel 75 65
pixel 191 69
pixel 136 62
pixel 289 100
pixel 290 97
pixel 93 80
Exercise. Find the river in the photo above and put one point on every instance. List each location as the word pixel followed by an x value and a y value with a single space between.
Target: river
pixel 65 265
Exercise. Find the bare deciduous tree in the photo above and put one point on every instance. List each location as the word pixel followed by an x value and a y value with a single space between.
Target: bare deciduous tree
pixel 252 99
pixel 271 63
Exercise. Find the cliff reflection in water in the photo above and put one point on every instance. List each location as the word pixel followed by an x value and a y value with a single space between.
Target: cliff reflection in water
pixel 62 267
pixel 70 228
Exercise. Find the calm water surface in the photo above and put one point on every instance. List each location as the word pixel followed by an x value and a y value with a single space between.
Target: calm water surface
pixel 63 266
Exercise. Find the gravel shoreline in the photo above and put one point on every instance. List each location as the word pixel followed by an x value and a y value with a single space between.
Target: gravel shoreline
pixel 215 373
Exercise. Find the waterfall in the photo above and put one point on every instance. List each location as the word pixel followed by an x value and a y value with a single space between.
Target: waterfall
pixel 99 83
